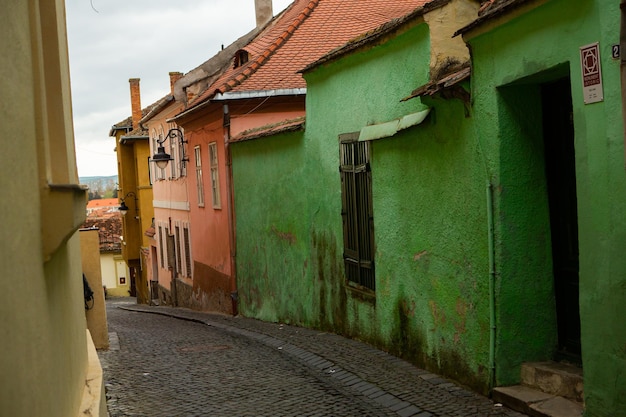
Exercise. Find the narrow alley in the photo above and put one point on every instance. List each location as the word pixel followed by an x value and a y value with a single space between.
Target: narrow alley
pixel 178 362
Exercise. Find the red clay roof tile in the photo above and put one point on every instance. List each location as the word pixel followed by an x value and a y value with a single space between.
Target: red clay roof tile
pixel 306 31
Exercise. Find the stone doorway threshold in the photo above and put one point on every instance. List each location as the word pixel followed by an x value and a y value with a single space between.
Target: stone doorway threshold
pixel 547 389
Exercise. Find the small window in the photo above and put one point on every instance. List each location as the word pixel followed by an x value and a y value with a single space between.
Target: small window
pixel 241 57
pixel 171 250
pixel 357 212
pixel 200 186
pixel 215 184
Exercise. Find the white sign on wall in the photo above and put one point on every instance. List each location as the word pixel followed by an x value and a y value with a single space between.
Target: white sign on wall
pixel 591 73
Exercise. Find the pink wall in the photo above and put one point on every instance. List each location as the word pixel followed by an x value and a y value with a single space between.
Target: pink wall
pixel 170 200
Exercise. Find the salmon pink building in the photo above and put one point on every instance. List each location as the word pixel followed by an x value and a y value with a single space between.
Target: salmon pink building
pixel 169 251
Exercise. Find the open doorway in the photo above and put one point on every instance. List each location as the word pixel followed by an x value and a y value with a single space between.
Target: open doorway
pixel 537 302
pixel 560 168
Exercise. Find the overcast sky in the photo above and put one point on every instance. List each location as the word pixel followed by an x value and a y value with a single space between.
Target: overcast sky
pixel 111 41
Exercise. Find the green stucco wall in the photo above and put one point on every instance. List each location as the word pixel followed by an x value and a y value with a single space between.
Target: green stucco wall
pixel 430 207
pixel 508 68
pixel 432 274
pixel 274 278
pixel 431 303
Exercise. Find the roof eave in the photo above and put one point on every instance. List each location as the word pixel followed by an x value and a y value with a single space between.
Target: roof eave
pixel 116 128
pixel 238 95
pixel 505 11
pixel 125 139
pixel 262 135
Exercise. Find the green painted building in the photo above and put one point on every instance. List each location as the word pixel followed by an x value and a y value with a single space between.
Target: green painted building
pixel 555 142
pixel 471 227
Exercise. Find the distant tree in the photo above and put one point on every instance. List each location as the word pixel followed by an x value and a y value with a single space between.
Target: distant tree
pixel 110 192
pixel 94 195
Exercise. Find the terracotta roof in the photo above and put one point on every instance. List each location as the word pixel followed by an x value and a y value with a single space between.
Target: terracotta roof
pixel 109 230
pixel 306 31
pixel 156 107
pixel 491 9
pixel 379 32
pixel 290 125
pixel 102 202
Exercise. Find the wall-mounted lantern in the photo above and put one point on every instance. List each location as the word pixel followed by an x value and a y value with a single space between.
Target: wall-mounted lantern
pixel 162 158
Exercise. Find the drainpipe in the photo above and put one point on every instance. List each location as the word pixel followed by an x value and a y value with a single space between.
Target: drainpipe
pixel 230 200
pixel 622 41
pixel 492 290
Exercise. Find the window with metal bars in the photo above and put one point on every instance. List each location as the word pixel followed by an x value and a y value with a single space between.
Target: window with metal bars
pixel 356 211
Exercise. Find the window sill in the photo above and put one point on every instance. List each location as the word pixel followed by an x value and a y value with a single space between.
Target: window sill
pixel 361 293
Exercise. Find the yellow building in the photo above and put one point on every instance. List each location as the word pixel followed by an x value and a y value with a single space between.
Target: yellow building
pixel 135 192
pixel 48 364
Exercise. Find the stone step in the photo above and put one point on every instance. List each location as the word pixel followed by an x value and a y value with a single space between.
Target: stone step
pixel 558 379
pixel 536 403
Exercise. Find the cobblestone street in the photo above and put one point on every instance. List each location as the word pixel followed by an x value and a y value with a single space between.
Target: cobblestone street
pixel 179 362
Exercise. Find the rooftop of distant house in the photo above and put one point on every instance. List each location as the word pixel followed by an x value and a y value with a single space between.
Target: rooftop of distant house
pixel 109 225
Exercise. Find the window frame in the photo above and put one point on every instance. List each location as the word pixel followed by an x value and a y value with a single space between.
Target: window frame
pixel 187 250
pixel 215 177
pixel 357 212
pixel 199 183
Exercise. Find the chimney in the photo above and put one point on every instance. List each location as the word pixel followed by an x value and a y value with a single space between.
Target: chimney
pixel 135 101
pixel 174 76
pixel 264 12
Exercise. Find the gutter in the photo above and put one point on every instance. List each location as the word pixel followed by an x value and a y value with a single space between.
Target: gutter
pixel 492 289
pixel 238 95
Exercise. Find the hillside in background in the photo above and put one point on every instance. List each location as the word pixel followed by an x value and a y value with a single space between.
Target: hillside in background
pixel 101 187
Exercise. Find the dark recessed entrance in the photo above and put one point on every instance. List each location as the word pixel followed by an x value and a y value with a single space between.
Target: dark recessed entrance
pixel 558 133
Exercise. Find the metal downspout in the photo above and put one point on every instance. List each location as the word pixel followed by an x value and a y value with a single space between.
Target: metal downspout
pixel 622 41
pixel 492 291
pixel 231 213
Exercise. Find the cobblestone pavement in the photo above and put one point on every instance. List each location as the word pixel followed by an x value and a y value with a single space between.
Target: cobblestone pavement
pixel 214 365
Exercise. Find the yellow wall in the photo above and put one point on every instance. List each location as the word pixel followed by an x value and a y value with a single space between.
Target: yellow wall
pixel 134 177
pixel 96 315
pixel 127 177
pixel 113 268
pixel 43 344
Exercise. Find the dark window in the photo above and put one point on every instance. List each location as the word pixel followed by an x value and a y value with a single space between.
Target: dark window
pixel 356 202
pixel 241 57
pixel 161 244
pixel 171 249
pixel 178 255
pixel 187 250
